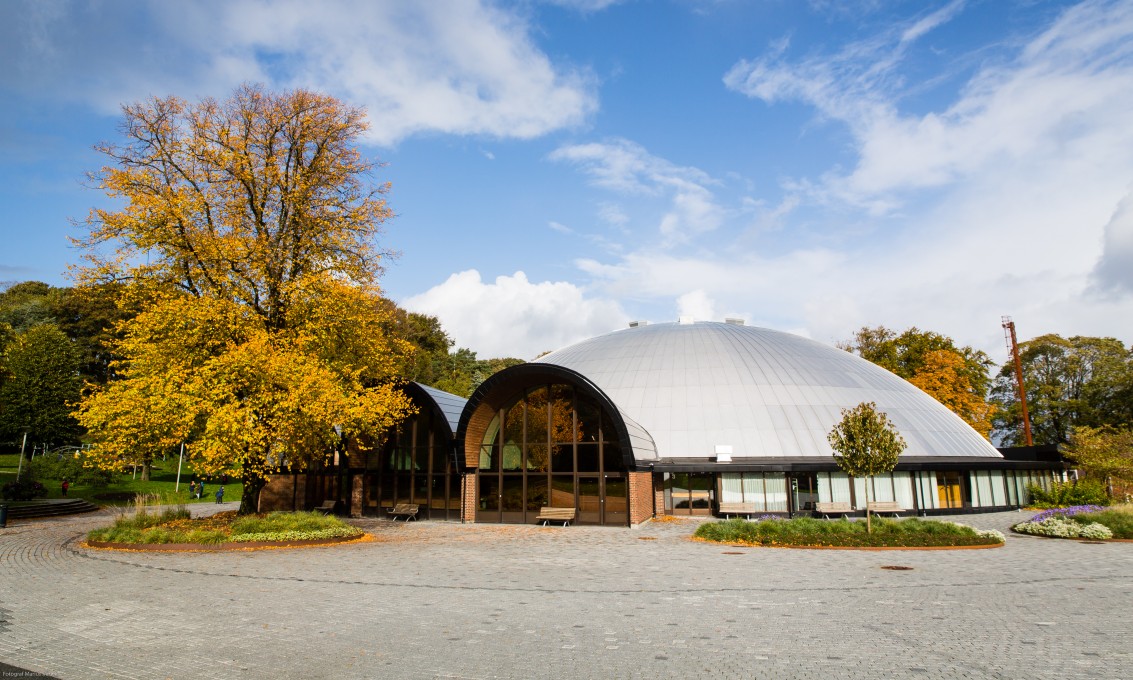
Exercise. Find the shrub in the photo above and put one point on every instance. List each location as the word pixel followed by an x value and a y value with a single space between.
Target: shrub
pixel 1119 520
pixel 58 467
pixel 806 531
pixel 23 490
pixel 1057 526
pixel 1060 495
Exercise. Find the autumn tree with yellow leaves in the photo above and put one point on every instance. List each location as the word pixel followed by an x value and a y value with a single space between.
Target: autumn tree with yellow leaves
pixel 248 233
pixel 957 377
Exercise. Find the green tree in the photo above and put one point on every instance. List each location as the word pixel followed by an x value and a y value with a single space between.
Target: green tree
pixel 26 304
pixel 249 231
pixel 1070 382
pixel 865 444
pixel 958 377
pixel 1104 453
pixel 41 387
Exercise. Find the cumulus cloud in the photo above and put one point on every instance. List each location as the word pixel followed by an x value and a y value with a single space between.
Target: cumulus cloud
pixel 1114 271
pixel 515 317
pixel 625 167
pixel 697 305
pixel 451 67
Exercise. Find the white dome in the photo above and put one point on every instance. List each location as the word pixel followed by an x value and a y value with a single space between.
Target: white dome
pixel 763 393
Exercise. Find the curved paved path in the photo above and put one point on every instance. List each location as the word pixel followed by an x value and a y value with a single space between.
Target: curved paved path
pixel 432 599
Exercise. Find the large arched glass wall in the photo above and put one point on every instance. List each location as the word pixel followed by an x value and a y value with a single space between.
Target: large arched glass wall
pixel 551 446
pixel 416 465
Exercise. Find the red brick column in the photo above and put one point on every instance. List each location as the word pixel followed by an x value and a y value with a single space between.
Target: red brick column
pixel 640 496
pixel 468 489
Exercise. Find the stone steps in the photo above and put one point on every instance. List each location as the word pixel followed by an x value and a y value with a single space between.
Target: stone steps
pixel 49 508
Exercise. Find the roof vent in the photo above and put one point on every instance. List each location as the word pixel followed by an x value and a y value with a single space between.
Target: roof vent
pixel 635 324
pixel 685 320
pixel 734 321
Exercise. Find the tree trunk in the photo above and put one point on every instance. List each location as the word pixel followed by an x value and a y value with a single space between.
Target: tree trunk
pixel 868 526
pixel 250 501
pixel 146 466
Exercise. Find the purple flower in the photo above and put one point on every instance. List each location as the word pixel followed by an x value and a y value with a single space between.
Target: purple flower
pixel 1067 512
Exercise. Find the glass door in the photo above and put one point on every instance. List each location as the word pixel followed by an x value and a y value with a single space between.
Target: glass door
pixel 950 489
pixel 589 500
pixel 804 492
pixel 615 501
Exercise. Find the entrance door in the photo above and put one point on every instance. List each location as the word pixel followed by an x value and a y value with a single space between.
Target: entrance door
pixel 589 500
pixel 615 502
pixel 688 493
pixel 950 489
pixel 804 492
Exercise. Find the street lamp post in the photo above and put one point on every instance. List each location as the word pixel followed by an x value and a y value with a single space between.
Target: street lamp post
pixel 20 467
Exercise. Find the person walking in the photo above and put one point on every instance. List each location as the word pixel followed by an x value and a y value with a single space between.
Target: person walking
pixel 220 495
pixel 66 485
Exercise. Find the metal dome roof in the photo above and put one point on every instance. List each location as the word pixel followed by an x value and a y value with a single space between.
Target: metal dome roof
pixel 764 393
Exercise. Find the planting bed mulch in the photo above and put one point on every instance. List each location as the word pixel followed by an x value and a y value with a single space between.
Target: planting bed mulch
pixel 860 547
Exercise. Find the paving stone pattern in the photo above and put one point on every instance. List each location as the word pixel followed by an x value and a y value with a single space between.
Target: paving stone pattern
pixel 444 600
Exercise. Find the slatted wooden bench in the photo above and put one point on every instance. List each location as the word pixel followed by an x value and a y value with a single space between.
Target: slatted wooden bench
pixel 886 508
pixel 564 515
pixel 327 508
pixel 833 508
pixel 406 510
pixel 745 509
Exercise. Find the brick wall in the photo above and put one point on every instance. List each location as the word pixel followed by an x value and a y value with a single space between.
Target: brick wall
pixel 356 495
pixel 659 493
pixel 283 492
pixel 641 502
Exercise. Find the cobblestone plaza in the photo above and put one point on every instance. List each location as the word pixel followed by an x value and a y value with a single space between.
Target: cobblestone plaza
pixel 445 600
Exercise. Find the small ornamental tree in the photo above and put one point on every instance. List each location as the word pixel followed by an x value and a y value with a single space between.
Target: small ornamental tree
pixel 865 444
pixel 1103 452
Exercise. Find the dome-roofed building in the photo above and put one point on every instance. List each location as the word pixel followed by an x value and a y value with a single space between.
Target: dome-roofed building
pixel 682 417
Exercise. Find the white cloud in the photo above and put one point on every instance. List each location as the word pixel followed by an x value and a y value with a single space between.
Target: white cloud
pixel 698 305
pixel 514 317
pixel 1070 82
pixel 1114 271
pixel 451 67
pixel 627 168
pixel 584 6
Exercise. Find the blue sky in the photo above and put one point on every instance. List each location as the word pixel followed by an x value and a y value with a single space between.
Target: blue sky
pixel 561 168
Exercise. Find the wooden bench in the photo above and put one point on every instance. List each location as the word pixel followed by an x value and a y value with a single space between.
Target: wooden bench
pixel 327 508
pixel 564 515
pixel 745 509
pixel 406 510
pixel 885 508
pixel 833 508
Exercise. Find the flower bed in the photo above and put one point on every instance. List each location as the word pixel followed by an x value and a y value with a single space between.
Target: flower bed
pixel 1092 522
pixel 815 533
pixel 176 527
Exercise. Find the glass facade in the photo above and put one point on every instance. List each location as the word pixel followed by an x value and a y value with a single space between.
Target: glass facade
pixel 912 491
pixel 415 465
pixel 551 446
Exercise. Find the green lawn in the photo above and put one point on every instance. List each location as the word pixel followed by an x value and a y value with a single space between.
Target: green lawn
pixel 122 490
